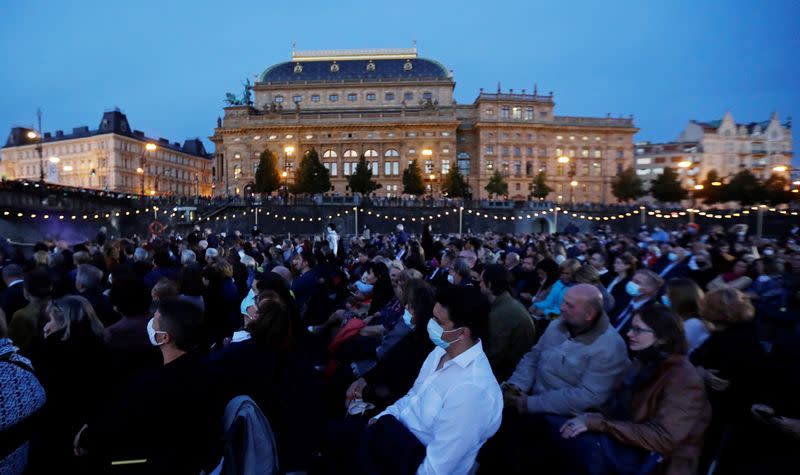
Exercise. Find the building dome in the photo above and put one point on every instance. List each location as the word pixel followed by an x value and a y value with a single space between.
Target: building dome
pixel 367 65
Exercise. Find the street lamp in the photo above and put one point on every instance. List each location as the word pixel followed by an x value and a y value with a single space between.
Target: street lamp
pixel 432 178
pixel 780 168
pixel 685 164
pixel 149 147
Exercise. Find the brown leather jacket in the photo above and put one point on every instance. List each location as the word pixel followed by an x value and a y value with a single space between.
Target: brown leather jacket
pixel 669 416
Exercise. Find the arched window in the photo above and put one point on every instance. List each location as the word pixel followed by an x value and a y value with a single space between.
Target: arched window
pixel 391 153
pixel 350 153
pixel 371 153
pixel 329 154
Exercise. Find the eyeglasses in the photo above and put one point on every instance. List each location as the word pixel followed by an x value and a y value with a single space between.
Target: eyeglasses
pixel 639 330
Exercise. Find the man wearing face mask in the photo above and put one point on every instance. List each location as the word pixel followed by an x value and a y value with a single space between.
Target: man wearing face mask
pixel 455 404
pixel 166 415
pixel 643 289
pixel 676 266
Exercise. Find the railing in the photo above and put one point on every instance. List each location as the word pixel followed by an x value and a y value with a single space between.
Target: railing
pixel 593 121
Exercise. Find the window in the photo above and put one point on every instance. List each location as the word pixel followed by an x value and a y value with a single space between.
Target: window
pixel 517 168
pixel 643 161
pixel 559 152
pixel 370 153
pixel 352 97
pixel 427 96
pixel 598 154
pixel 489 150
pixel 428 166
pixel 411 134
pixel 620 154
pixel 489 111
pixel 374 166
pixel 371 96
pixel 489 165
pixel 346 168
pixel 529 151
pixel 645 171
pixel 387 168
pixel 596 169
pixel 329 154
pixel 542 152
pixel 543 114
pixel 505 151
pixel 315 98
pixel 391 153
pixel 572 153
pixel 428 134
pixel 445 167
pixel 297 98
pixel 389 96
pixel 529 114
pixel 504 112
pixel 585 153
pixel 408 96
pixel 584 169
pixel 517 186
pixel 516 112
pixel 517 151
pixel 529 168
pixel 350 153
pixel 237 171
pixel 278 99
pixel 395 169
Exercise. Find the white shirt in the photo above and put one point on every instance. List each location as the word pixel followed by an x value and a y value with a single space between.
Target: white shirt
pixel 452 411
pixel 696 333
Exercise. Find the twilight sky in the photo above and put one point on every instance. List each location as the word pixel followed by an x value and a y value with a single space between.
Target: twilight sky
pixel 168 64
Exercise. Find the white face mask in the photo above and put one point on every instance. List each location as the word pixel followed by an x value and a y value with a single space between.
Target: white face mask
pixel 451 279
pixel 152 332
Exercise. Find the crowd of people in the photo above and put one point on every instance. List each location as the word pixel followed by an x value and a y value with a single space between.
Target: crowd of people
pixel 661 351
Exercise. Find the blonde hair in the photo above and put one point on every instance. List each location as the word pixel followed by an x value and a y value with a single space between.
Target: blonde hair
pixel 726 306
pixel 75 310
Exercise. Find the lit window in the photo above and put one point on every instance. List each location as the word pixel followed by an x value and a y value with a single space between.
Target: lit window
pixel 445 134
pixel 391 153
pixel 278 99
pixel 559 137
pixel 350 153
pixel 352 97
pixel 412 151
pixel 371 96
pixel 371 153
pixel 529 114
pixel 572 137
pixel 428 166
pixel 395 169
pixel 585 153
pixel 445 167
pixel 387 168
pixel 315 98
pixel 333 97
pixel 346 168
pixel 329 154
pixel 489 165
pixel 598 154
pixel 297 99
pixel 389 96
pixel 516 112
pixel 237 171
pixel 374 168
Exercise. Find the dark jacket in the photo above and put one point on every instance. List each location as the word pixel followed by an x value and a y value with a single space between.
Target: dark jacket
pixel 511 335
pixel 102 307
pixel 396 372
pixel 12 299
pixel 669 416
pixel 621 297
pixel 129 347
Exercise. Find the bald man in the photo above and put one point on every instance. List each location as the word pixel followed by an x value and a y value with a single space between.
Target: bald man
pixel 576 363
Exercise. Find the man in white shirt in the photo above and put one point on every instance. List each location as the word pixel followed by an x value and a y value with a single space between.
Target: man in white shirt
pixel 455 404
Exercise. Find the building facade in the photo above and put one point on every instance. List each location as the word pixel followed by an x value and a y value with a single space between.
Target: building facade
pixel 394 107
pixel 764 148
pixel 113 157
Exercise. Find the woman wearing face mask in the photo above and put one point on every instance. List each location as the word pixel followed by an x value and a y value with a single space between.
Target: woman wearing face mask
pixel 660 407
pixel 396 369
pixel 624 267
pixel 70 362
pixel 736 278
pixel 685 298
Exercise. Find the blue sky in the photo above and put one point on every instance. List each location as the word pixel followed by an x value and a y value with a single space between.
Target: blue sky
pixel 168 64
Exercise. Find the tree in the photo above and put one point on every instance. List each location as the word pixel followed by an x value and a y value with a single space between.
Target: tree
pixel 744 188
pixel 627 186
pixel 267 177
pixel 454 185
pixel 497 185
pixel 666 188
pixel 777 190
pixel 711 194
pixel 361 180
pixel 540 187
pixel 312 176
pixel 412 180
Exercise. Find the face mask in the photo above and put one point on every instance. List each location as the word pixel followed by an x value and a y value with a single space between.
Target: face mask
pixel 407 319
pixel 152 332
pixel 632 288
pixel 672 257
pixel 769 252
pixel 435 332
pixel 581 258
pixel 665 300
pixel 763 278
pixel 451 279
pixel 364 288
pixel 693 264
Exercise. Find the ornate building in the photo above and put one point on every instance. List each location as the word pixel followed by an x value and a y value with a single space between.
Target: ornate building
pixel 394 107
pixel 113 157
pixel 722 145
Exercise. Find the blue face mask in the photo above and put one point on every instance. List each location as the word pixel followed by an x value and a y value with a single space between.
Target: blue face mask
pixel 665 300
pixel 672 257
pixel 451 279
pixel 364 288
pixel 435 332
pixel 632 288
pixel 407 319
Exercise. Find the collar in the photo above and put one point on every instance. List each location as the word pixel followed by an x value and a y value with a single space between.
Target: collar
pixel 464 359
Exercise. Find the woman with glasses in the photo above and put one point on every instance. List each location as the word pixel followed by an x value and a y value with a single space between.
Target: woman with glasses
pixel 71 364
pixel 660 407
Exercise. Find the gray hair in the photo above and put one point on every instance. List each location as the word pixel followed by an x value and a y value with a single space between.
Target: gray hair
pixel 140 255
pixel 211 253
pixel 81 257
pixel 248 261
pixel 88 277
pixel 188 257
pixel 461 267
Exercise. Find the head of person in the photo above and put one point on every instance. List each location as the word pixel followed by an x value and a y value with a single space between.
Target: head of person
pixel 657 329
pixel 677 254
pixel 684 297
pixel 447 259
pixel 140 255
pixel 528 264
pixel 567 270
pixel 459 272
pixel 190 280
pixel 460 315
pixel 176 324
pixel 212 254
pixel 12 273
pixel 418 298
pixel 598 260
pixel 581 306
pixel 41 258
pixel 395 269
pixel 587 274
pixel 80 258
pixel 165 289
pixel 303 261
pixel 272 325
pixel 495 280
pixel 512 259
pixel 644 285
pixel 740 268
pixel 469 256
pixel 548 271
pixel 73 314
pixel 130 297
pixel 726 307
pixel 37 285
pixel 625 264
pixel 88 278
pixel 188 257
pixel 284 272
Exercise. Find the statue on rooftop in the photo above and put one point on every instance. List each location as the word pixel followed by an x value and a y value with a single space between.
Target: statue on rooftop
pixel 231 100
pixel 247 99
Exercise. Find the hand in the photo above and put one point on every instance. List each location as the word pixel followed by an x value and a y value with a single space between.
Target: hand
pixel 76 443
pixel 712 379
pixel 788 426
pixel 573 427
pixel 356 389
pixel 372 421
pixel 518 401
